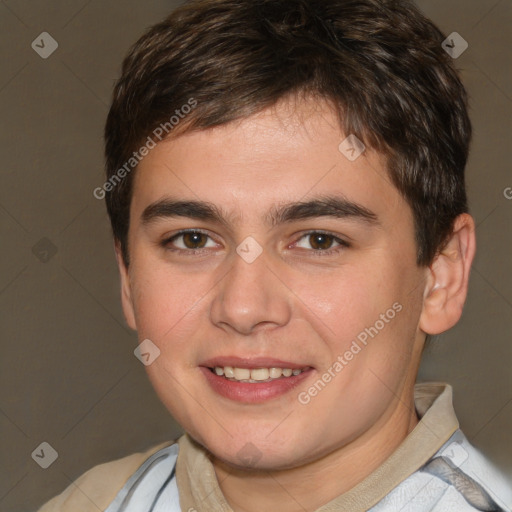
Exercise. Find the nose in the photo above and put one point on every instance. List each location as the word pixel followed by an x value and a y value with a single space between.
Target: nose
pixel 250 297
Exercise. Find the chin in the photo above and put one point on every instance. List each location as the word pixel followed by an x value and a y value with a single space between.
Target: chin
pixel 249 452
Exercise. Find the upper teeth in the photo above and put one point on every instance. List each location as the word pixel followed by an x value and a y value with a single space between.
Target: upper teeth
pixel 255 374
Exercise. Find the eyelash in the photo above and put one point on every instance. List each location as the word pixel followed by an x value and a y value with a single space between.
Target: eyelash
pixel 316 252
pixel 342 244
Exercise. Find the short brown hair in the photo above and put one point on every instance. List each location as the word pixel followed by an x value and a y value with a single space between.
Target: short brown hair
pixel 379 62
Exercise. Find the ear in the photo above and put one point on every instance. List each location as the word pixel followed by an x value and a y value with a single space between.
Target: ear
pixel 447 283
pixel 126 292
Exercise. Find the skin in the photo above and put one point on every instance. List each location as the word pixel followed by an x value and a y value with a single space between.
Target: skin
pixel 295 302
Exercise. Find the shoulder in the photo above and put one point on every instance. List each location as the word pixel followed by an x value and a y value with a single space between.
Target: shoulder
pixel 96 488
pixel 458 478
pixel 460 465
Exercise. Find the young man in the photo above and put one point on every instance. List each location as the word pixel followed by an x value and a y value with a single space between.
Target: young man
pixel 285 182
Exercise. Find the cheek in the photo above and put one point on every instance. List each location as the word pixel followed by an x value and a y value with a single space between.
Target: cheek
pixel 165 300
pixel 341 304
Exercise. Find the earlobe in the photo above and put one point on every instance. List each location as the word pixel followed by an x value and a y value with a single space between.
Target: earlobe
pixel 447 284
pixel 126 293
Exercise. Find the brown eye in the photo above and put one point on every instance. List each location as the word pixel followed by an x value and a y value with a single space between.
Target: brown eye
pixel 194 240
pixel 188 241
pixel 320 241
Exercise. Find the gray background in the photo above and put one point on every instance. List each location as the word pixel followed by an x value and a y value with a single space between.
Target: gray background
pixel 68 374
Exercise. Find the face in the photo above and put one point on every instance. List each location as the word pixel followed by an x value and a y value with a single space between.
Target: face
pixel 259 250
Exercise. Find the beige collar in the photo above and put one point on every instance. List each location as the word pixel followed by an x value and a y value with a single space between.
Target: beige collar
pixel 199 489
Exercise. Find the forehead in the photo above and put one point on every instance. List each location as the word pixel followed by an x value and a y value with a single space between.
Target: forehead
pixel 289 152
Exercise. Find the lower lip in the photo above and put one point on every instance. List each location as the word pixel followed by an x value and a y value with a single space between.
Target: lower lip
pixel 247 392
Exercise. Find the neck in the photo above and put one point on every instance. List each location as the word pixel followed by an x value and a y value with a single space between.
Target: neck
pixel 311 485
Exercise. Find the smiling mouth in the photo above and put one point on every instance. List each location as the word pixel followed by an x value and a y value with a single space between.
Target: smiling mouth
pixel 255 375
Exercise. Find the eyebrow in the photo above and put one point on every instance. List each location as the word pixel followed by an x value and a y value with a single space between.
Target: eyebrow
pixel 324 206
